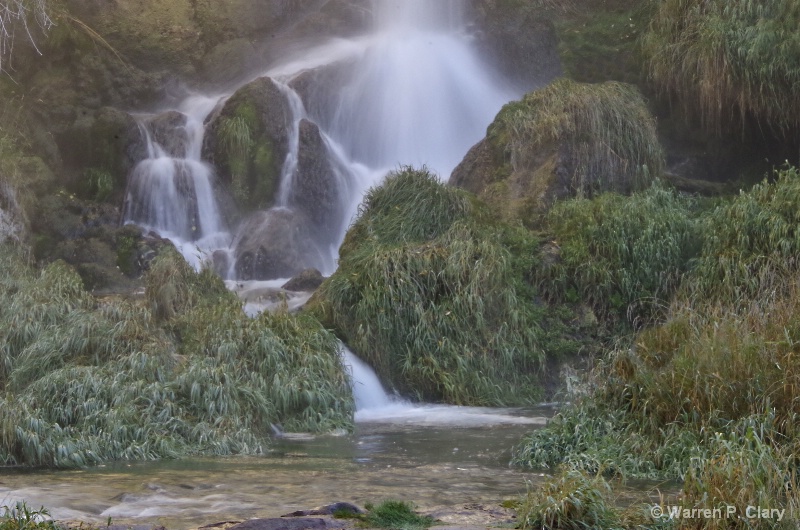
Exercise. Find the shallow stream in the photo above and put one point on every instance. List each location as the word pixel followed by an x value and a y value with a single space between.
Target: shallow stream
pixel 434 456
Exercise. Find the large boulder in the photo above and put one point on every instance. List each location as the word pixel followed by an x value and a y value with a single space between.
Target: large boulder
pixel 568 139
pixel 273 244
pixel 317 186
pixel 247 141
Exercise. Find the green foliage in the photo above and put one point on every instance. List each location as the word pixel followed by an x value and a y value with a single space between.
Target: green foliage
pixel 571 501
pixel 728 60
pixel 753 241
pixel 712 395
pixel 624 256
pixel 427 293
pixel 395 515
pixel 22 517
pixel 98 184
pixel 200 378
pixel 604 134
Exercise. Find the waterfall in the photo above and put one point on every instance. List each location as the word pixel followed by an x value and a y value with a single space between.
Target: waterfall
pixel 172 191
pixel 368 392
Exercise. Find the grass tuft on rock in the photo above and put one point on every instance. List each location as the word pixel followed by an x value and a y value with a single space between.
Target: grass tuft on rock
pixel 604 135
pixel 85 381
pixel 428 293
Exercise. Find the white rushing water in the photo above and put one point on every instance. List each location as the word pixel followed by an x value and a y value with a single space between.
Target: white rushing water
pixel 416 93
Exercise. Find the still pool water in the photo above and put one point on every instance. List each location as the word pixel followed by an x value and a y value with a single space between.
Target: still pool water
pixel 431 455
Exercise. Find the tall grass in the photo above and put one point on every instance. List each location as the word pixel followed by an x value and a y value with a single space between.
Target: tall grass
pixel 603 134
pixel 729 60
pixel 711 395
pixel 87 381
pixel 429 296
pixel 624 257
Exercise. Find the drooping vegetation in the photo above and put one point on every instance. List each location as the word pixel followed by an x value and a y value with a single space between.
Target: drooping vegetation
pixel 729 61
pixel 710 395
pixel 429 294
pixel 85 381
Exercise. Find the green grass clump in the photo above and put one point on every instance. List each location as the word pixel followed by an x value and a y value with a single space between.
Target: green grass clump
pixel 712 395
pixel 753 242
pixel 571 500
pixel 395 515
pixel 729 60
pixel 623 256
pixel 603 134
pixel 429 295
pixel 84 381
pixel 22 517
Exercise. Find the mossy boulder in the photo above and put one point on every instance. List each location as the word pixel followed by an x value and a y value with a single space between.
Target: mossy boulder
pixel 247 141
pixel 103 147
pixel 568 139
pixel 429 294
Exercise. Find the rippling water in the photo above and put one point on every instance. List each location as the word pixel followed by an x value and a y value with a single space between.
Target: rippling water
pixel 413 457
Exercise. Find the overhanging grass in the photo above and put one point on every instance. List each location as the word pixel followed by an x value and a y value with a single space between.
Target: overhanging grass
pixel 87 381
pixel 729 60
pixel 428 294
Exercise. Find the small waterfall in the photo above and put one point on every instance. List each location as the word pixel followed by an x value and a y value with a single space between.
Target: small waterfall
pixel 368 391
pixel 172 192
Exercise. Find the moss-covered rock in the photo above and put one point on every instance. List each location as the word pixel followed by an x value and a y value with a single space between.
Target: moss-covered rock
pixel 429 292
pixel 568 139
pixel 248 141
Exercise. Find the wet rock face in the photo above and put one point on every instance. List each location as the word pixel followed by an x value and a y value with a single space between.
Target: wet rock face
pixel 247 141
pixel 522 43
pixel 273 244
pixel 316 190
pixel 168 131
pixel 308 280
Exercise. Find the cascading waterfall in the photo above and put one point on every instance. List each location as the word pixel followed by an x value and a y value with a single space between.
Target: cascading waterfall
pixel 415 93
pixel 172 192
